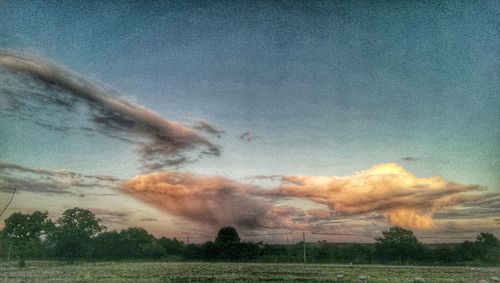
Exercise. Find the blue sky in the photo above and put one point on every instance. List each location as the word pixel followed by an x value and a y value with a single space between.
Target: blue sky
pixel 330 88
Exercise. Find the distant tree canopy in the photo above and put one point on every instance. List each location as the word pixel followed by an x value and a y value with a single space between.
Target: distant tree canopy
pixel 78 234
pixel 488 240
pixel 398 244
pixel 227 234
pixel 171 246
pixel 486 246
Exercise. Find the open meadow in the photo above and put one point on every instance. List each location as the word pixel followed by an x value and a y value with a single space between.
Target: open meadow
pixel 45 271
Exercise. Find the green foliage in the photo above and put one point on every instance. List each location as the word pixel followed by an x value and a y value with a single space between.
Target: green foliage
pixel 466 251
pixel 445 254
pixel 138 243
pixel 24 232
pixel 107 245
pixel 4 246
pixel 131 243
pixel 486 246
pixel 73 233
pixel 171 247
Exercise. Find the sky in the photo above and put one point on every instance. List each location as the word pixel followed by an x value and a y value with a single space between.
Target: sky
pixel 272 116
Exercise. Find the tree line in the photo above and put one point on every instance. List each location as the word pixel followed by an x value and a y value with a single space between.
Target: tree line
pixel 79 235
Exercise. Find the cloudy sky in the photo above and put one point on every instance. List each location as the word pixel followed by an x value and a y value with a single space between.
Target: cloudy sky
pixel 273 117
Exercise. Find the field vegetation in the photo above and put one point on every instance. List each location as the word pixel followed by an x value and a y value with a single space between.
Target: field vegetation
pixel 235 272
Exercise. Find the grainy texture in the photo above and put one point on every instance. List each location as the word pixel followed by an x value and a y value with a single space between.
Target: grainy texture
pixel 233 272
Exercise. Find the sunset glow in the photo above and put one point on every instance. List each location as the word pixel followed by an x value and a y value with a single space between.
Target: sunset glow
pixel 336 118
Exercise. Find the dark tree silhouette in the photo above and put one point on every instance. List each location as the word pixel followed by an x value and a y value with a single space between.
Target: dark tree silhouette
pixel 466 251
pixel 227 235
pixel 172 247
pixel 107 245
pixel 78 234
pixel 485 245
pixel 398 244
pixel 487 239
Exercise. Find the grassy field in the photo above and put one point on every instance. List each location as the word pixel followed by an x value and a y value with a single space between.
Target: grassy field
pixel 41 271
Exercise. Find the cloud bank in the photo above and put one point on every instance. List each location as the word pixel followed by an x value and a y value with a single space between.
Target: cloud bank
pixel 159 142
pixel 404 199
pixel 384 194
pixel 211 200
pixel 383 191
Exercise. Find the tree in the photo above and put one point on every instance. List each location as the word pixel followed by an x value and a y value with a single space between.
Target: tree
pixel 398 244
pixel 465 251
pixel 3 244
pixel 172 247
pixel 72 237
pixel 227 235
pixel 25 231
pixel 487 239
pixel 444 254
pixel 107 245
pixel 485 245
pixel 136 242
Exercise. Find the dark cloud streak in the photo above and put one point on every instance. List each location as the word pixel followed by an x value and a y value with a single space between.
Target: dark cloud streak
pixel 248 136
pixel 159 141
pixel 57 182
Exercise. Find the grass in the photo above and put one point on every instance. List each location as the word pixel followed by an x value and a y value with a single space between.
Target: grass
pixel 47 271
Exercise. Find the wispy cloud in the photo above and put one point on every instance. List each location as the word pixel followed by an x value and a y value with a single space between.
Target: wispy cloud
pixel 159 142
pixel 482 208
pixel 55 182
pixel 109 216
pixel 148 219
pixel 248 136
pixel 204 126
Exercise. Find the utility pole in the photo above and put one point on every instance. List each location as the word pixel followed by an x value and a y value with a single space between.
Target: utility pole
pixel 188 239
pixel 304 243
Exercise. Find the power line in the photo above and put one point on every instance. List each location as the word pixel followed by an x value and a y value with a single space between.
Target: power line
pixel 200 237
pixel 371 236
pixel 267 234
pixel 339 234
pixel 190 236
pixel 442 237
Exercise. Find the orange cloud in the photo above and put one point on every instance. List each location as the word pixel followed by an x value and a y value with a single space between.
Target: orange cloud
pixel 385 189
pixel 403 198
pixel 320 213
pixel 211 200
pixel 410 218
